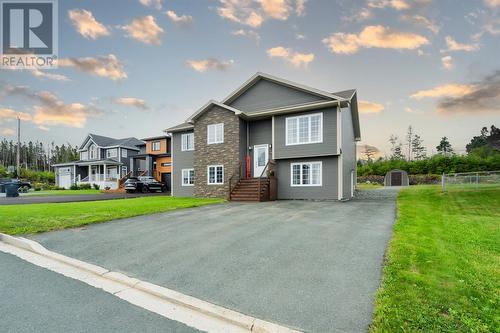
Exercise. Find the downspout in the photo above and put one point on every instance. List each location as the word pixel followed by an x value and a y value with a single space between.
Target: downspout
pixel 339 149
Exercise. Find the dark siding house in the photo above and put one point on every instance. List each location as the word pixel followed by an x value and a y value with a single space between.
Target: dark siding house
pixel 103 161
pixel 269 136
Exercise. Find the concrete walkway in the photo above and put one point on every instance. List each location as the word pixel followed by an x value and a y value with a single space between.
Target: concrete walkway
pixel 313 266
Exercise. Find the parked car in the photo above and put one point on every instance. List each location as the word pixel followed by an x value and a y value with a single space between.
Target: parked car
pixel 22 186
pixel 144 185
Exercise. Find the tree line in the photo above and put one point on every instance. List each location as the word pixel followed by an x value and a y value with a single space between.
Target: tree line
pixel 35 155
pixel 483 154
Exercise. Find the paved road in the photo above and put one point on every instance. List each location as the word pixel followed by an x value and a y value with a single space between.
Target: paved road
pixel 33 299
pixel 32 199
pixel 314 266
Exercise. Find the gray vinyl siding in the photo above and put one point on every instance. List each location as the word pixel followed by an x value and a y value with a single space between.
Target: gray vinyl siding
pixel 243 146
pixel 327 147
pixel 328 190
pixel 260 133
pixel 348 152
pixel 181 160
pixel 267 95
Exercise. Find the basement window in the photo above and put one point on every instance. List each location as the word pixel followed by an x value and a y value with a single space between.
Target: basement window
pixel 215 174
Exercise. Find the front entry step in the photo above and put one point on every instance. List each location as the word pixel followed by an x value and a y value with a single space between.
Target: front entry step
pixel 248 190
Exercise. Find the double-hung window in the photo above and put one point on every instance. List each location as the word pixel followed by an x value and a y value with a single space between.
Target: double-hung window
pixel 215 174
pixel 155 146
pixel 215 133
pixel 304 129
pixel 187 177
pixel 111 153
pixel 306 174
pixel 124 152
pixel 187 142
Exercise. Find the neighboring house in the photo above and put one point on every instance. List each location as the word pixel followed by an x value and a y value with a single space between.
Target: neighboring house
pixel 269 135
pixel 103 161
pixel 154 159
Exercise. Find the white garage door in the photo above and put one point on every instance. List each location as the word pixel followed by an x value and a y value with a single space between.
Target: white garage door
pixel 64 180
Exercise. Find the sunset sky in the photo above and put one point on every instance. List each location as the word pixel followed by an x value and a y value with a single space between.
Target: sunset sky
pixel 136 67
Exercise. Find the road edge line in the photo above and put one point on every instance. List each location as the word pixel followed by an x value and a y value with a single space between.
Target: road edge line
pixel 211 310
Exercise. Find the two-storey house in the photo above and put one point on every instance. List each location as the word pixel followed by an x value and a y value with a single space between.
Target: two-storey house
pixel 103 161
pixel 269 138
pixel 154 159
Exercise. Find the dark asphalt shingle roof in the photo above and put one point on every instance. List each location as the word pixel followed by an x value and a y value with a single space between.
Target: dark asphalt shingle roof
pixel 180 126
pixel 105 141
pixel 345 93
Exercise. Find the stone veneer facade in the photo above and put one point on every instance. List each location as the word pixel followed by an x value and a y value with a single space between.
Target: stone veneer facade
pixel 226 153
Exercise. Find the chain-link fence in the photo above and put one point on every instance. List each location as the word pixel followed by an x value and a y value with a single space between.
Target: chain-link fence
pixel 478 179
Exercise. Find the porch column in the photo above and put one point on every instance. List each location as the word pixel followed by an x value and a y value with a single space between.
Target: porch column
pixel 104 175
pixel 90 174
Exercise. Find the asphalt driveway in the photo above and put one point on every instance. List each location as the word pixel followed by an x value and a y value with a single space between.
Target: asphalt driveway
pixel 313 266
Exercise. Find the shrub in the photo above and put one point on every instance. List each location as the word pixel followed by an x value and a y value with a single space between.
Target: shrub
pixel 96 186
pixel 74 187
pixel 376 179
pixel 37 189
pixel 424 179
pixel 85 186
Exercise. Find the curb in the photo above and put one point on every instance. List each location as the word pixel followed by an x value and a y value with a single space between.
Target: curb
pixel 216 312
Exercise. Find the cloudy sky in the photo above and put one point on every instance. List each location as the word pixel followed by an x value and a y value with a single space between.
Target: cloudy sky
pixel 136 67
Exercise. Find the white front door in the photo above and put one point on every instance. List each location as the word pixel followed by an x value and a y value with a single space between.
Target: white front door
pixel 260 158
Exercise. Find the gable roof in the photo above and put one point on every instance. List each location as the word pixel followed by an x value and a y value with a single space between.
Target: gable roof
pixel 342 98
pixel 263 76
pixel 208 106
pixel 347 94
pixel 179 128
pixel 105 141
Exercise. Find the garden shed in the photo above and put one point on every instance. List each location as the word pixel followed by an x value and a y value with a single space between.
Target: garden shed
pixel 396 178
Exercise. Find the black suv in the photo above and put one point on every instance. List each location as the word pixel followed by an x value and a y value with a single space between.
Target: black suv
pixel 21 185
pixel 144 185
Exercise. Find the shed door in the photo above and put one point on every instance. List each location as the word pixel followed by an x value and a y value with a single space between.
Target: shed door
pixel 396 178
pixel 64 180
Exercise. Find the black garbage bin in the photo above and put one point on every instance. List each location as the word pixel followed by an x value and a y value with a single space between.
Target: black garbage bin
pixel 11 190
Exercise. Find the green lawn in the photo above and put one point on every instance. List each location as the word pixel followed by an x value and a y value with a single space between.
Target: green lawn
pixel 442 271
pixel 63 192
pixel 24 219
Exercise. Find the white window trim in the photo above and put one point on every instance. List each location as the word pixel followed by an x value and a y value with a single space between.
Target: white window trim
pixel 153 146
pixel 108 151
pixel 84 155
pixel 298 132
pixel 215 127
pixel 310 175
pixel 189 173
pixel 90 150
pixel 208 174
pixel 184 146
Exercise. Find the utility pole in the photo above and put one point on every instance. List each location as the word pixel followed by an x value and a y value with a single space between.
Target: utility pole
pixel 18 157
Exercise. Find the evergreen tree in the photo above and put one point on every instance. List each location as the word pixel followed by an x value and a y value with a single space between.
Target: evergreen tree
pixel 417 148
pixel 444 147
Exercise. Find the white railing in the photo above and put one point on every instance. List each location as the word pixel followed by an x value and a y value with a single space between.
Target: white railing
pixel 99 179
